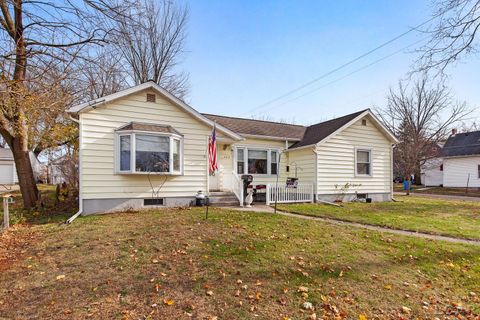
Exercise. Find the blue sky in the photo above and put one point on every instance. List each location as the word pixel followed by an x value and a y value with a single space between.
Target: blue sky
pixel 242 54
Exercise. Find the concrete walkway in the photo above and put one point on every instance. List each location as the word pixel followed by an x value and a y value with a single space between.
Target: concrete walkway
pixel 440 196
pixel 268 209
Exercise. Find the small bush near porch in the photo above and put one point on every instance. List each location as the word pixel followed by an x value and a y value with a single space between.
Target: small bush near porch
pixel 436 216
pixel 174 264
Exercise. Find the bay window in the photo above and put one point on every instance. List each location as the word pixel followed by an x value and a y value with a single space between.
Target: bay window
pixel 140 152
pixel 256 161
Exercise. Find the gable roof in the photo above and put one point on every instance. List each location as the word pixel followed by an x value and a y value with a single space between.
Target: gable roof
pixel 317 132
pixel 252 127
pixel 84 107
pixel 462 144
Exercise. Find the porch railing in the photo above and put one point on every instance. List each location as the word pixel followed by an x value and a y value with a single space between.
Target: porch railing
pixel 284 194
pixel 237 187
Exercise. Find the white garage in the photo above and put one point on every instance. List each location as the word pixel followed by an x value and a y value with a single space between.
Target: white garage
pixel 8 174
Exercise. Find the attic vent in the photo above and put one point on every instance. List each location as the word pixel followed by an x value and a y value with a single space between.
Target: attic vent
pixel 364 122
pixel 151 97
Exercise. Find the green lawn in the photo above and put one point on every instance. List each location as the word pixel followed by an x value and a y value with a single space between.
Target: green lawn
pixel 436 216
pixel 174 264
pixel 471 192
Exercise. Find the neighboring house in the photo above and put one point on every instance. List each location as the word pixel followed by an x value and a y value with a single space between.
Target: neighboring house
pixel 432 168
pixel 8 173
pixel 461 160
pixel 143 146
pixel 458 165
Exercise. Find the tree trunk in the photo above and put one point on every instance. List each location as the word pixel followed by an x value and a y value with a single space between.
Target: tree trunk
pixel 26 178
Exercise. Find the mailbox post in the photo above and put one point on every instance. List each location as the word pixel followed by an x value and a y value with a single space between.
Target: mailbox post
pixel 7 198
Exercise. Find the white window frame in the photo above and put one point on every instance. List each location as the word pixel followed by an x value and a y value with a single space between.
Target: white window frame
pixel 370 157
pixel 245 160
pixel 132 134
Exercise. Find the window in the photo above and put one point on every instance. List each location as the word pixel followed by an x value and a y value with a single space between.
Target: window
pixel 256 161
pixel 125 153
pixel 364 122
pixel 363 162
pixel 149 153
pixel 274 162
pixel 240 161
pixel 478 168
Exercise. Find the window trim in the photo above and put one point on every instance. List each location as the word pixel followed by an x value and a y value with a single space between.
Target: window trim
pixel 132 133
pixel 370 159
pixel 245 160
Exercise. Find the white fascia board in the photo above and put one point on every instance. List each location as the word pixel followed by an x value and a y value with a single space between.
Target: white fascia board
pixel 84 107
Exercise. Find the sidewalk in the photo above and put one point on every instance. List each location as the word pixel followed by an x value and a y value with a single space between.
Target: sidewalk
pixel 440 196
pixel 268 209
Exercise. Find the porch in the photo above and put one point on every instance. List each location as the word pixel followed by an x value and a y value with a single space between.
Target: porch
pixel 262 163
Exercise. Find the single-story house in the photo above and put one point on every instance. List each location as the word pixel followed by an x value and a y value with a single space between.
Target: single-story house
pixel 459 163
pixel 143 147
pixel 8 172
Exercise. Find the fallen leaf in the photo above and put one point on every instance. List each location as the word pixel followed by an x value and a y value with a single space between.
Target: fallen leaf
pixel 209 293
pixel 60 277
pixel 362 317
pixel 167 302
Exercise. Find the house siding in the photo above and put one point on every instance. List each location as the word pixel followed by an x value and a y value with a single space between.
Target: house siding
pixel 432 176
pixel 302 165
pixel 98 178
pixel 336 161
pixel 456 171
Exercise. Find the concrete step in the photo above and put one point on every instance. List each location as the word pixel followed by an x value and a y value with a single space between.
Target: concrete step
pixel 225 204
pixel 221 193
pixel 223 199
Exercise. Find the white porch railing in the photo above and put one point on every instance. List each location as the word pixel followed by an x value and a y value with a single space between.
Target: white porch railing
pixel 237 187
pixel 284 194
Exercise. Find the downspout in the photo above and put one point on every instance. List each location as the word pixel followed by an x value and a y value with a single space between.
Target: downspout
pixel 80 202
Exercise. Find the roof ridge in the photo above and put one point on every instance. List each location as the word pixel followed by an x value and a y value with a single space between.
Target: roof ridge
pixel 338 118
pixel 258 120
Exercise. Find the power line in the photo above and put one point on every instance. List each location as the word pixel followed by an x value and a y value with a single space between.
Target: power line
pixel 338 68
pixel 347 75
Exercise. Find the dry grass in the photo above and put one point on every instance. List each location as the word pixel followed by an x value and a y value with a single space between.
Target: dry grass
pixel 233 266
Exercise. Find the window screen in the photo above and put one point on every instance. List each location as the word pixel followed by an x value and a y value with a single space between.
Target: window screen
pixel 125 153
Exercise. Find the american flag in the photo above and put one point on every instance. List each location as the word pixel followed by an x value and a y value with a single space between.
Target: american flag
pixel 212 151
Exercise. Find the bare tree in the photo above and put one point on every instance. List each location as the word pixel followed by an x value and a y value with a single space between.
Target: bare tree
pixel 35 37
pixel 153 44
pixel 420 115
pixel 453 35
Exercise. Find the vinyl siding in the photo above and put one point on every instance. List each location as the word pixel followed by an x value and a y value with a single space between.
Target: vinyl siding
pixel 302 165
pixel 432 176
pixel 456 171
pixel 336 160
pixel 97 127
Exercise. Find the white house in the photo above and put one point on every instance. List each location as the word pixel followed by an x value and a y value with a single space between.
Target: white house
pixel 143 146
pixel 8 173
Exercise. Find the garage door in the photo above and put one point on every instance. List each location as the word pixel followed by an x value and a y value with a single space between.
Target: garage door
pixel 6 173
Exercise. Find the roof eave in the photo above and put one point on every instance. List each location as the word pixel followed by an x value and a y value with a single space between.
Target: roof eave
pixel 84 107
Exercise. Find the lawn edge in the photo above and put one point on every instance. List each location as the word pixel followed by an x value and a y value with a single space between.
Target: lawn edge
pixel 382 226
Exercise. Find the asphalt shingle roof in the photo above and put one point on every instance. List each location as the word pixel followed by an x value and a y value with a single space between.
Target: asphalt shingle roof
pixel 304 135
pixel 462 144
pixel 259 127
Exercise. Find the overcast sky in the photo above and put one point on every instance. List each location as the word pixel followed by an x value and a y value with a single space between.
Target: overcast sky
pixel 242 54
